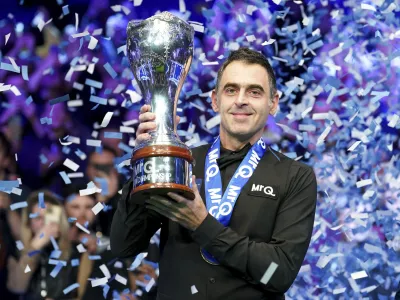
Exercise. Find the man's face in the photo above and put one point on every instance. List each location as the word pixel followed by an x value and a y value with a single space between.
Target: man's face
pixel 100 162
pixel 243 100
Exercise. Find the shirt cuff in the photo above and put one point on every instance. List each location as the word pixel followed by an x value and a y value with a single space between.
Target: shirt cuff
pixel 207 231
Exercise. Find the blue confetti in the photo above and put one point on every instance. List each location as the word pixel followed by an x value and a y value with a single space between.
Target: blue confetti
pixel 112 135
pixel 75 262
pixel 59 99
pixel 70 288
pixel 94 83
pixel 110 70
pixel 28 100
pixel 8 67
pixel 56 270
pixel 65 177
pixel 103 184
pixel 18 205
pixel 65 10
pixel 106 288
pixel 33 215
pixel 56 254
pixel 41 201
pixel 99 100
pixel 94 257
pixel 8 185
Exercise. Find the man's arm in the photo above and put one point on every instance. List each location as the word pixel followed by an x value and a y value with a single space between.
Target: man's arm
pixel 290 238
pixel 132 226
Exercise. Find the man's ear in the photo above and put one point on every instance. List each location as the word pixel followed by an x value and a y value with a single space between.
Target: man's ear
pixel 274 105
pixel 214 102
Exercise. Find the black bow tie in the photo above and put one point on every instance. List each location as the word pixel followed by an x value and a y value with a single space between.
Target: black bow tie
pixel 229 157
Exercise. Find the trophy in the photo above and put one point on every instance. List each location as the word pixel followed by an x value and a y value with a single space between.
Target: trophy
pixel 160 52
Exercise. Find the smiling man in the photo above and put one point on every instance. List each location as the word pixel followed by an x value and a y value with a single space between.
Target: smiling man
pixel 246 233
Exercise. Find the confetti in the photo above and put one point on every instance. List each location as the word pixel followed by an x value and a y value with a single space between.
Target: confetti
pixel 107 119
pixel 121 279
pixel 80 248
pixel 193 289
pixel 358 275
pixel 71 165
pixel 105 271
pixel 110 70
pixel 97 208
pixel 18 205
pixel 100 281
pixel 70 288
pixel 268 273
pixel 82 228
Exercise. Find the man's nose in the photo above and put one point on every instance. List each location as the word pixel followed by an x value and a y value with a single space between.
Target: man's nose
pixel 242 98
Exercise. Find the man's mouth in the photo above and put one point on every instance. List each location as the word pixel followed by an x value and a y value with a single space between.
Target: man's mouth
pixel 241 115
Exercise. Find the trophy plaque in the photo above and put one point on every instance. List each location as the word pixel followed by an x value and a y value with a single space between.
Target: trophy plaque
pixel 160 52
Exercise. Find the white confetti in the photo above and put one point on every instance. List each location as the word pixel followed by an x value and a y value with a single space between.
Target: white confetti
pixel 82 228
pixel 367 6
pixel 7 37
pixel 106 119
pixel 100 281
pixel 94 143
pixel 105 271
pixel 97 208
pixel 358 275
pixel 150 285
pixel 121 279
pixel 339 291
pixel 27 269
pixel 88 191
pixel 214 121
pixel 393 121
pixel 363 183
pixel 269 272
pixel 81 248
pixel 354 146
pixel 92 43
pixel 71 165
pixel 269 42
pixel 193 289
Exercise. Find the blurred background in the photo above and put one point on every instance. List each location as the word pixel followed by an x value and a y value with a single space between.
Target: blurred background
pixel 64 72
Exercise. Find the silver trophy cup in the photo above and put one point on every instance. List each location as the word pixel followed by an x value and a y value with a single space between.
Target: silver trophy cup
pixel 160 52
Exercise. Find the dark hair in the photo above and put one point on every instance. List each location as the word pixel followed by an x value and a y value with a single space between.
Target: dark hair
pixel 75 187
pixel 5 145
pixel 102 149
pixel 249 56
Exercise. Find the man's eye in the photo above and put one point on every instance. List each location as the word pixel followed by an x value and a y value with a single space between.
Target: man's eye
pixel 230 91
pixel 255 93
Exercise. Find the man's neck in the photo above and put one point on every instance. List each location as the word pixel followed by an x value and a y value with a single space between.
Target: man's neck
pixel 234 144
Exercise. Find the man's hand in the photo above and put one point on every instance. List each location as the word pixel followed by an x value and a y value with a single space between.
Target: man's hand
pixel 147 124
pixel 188 213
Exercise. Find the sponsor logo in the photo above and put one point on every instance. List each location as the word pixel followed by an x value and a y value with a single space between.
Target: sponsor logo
pixel 268 190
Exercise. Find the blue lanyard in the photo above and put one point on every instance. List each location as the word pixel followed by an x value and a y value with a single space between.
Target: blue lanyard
pixel 221 207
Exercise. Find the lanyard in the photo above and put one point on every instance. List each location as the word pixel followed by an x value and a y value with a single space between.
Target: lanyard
pixel 221 207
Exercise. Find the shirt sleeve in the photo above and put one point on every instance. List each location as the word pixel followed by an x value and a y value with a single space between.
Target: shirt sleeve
pixel 289 243
pixel 132 226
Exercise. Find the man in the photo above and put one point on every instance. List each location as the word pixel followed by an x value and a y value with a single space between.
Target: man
pixel 215 251
pixel 101 166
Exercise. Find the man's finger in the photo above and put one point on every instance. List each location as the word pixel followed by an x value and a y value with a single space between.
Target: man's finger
pixel 146 117
pixel 194 185
pixel 178 198
pixel 145 108
pixel 146 126
pixel 163 212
